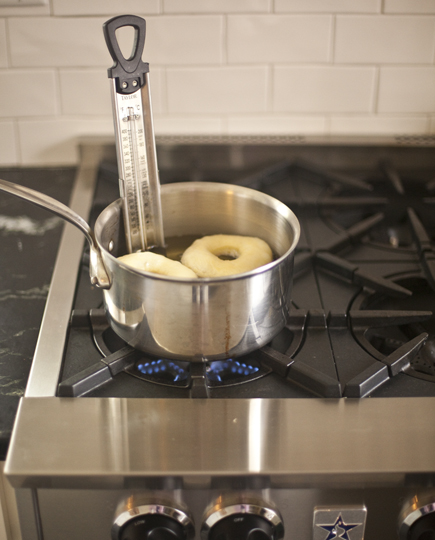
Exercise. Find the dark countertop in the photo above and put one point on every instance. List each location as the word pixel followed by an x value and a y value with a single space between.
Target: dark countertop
pixel 29 239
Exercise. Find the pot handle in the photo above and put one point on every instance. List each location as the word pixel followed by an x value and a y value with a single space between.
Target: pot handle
pixel 97 270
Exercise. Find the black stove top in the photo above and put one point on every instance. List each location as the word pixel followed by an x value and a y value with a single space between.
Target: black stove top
pixel 363 293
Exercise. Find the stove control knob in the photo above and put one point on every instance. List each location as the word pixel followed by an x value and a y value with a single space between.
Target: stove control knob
pixel 139 519
pixel 242 519
pixel 417 519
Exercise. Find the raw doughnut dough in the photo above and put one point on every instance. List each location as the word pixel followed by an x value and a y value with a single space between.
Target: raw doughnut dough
pixel 157 264
pixel 247 252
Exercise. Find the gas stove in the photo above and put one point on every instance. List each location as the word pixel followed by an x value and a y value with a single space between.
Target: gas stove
pixel 326 432
pixel 363 293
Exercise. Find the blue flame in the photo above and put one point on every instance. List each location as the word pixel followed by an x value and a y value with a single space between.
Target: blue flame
pixel 179 371
pixel 220 369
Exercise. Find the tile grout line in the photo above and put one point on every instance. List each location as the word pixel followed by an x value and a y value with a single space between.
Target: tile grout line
pixel 376 90
pixel 224 42
pixel 270 89
pixel 17 138
pixel 333 41
pixel 58 92
pixel 8 44
pixel 164 85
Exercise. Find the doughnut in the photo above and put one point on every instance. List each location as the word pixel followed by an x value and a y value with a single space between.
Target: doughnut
pixel 156 264
pixel 245 253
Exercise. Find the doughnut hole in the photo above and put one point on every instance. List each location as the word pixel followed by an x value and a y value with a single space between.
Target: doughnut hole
pixel 227 255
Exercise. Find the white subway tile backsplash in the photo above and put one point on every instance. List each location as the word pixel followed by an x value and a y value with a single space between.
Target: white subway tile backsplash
pixel 378 125
pixel 79 42
pixel 45 42
pixel 188 125
pixel 328 6
pixel 55 141
pixel 158 90
pixel 409 6
pixel 384 39
pixel 323 89
pixel 27 93
pixel 276 125
pixel 279 38
pixel 104 7
pixel 275 67
pixel 24 11
pixel 406 89
pixel 223 90
pixel 87 92
pixel 216 6
pixel 184 40
pixel 8 149
pixel 3 44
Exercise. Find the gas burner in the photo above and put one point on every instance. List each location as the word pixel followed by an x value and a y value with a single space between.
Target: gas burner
pixel 291 356
pixel 231 371
pixel 171 372
pixel 308 328
pixel 177 373
pixel 383 341
pixel 162 371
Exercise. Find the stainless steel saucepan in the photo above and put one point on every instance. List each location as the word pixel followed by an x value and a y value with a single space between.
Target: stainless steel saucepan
pixel 192 319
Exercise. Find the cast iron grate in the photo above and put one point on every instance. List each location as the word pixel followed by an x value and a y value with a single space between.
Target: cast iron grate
pixel 289 355
pixel 307 332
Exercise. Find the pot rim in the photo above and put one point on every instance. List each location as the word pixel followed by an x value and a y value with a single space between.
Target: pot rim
pixel 280 207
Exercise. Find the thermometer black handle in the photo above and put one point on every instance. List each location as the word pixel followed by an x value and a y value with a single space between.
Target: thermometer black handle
pixel 129 73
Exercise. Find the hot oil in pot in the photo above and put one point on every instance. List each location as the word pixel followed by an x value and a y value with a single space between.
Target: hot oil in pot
pixel 177 245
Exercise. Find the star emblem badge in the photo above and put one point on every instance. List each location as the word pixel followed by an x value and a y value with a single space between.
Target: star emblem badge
pixel 339 529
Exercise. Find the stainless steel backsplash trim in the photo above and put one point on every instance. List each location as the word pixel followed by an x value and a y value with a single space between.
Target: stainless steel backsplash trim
pixel 301 139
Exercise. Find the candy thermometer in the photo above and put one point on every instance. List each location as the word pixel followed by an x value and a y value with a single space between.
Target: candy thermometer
pixel 134 133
